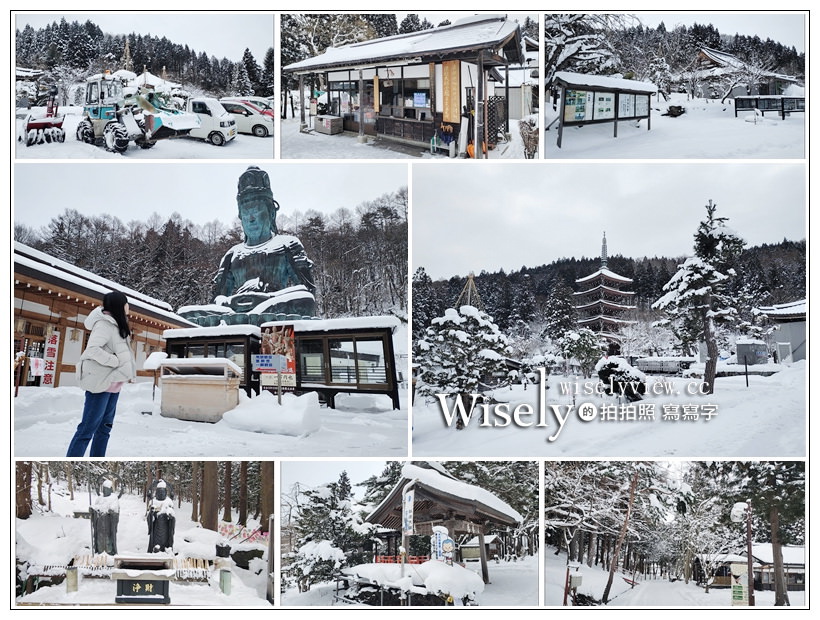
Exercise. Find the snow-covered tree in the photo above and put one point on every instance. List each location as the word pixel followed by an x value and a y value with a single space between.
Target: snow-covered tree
pixel 253 72
pixel 696 293
pixel 558 312
pixel 330 533
pixel 580 42
pixel 459 353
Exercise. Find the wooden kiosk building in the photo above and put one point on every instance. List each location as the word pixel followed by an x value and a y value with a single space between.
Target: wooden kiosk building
pixel 331 356
pixel 439 499
pixel 408 87
pixel 52 298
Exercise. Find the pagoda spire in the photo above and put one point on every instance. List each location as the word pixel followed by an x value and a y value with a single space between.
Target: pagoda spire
pixel 603 252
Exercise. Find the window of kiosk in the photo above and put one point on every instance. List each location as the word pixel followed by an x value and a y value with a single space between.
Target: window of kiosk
pixel 343 98
pixel 407 98
pixel 311 361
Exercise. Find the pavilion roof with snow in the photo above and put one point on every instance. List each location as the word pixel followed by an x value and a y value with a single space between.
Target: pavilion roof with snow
pixel 440 498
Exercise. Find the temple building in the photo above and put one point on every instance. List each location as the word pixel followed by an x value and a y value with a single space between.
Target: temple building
pixel 604 301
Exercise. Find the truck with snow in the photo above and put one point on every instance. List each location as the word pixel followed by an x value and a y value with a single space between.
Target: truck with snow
pixel 215 124
pixel 112 119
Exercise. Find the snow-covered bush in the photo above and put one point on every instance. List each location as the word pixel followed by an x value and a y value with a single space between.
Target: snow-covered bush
pixel 583 345
pixel 621 379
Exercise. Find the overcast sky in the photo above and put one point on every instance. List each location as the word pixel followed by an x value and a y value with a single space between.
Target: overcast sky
pixel 315 473
pixel 200 192
pixel 509 216
pixel 220 35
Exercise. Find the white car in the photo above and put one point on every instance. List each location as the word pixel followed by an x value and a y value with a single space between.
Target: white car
pixel 249 119
pixel 216 125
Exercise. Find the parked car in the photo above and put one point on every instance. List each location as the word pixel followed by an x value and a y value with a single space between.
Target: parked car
pixel 249 119
pixel 265 105
pixel 215 124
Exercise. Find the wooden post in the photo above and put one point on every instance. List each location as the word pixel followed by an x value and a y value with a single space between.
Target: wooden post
pixel 361 107
pixel 302 123
pixel 271 590
pixel 561 114
pixel 617 111
pixel 479 109
pixel 485 572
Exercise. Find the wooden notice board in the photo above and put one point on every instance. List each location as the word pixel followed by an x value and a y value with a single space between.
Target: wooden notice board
pixel 451 82
pixel 377 96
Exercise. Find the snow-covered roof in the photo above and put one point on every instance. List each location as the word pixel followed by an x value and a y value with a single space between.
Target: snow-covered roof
pixel 200 365
pixel 487 32
pixel 600 82
pixel 731 63
pixel 473 542
pixel 219 330
pixel 791 310
pixel 794 555
pixel 346 324
pixel 605 273
pixel 41 265
pixel 442 488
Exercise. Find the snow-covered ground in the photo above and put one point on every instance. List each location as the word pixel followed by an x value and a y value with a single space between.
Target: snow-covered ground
pixel 54 538
pixel 658 592
pixel 312 145
pixel 766 419
pixel 45 420
pixel 242 147
pixel 708 130
pixel 512 584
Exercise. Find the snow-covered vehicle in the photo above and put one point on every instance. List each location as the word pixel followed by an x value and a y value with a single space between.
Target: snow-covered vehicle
pixel 215 124
pixel 249 118
pixel 47 127
pixel 265 105
pixel 113 120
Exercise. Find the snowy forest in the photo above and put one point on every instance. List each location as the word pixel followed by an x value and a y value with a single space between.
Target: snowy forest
pixel 214 489
pixel 68 51
pixel 672 521
pixel 359 253
pixel 535 303
pixel 608 44
pixel 323 528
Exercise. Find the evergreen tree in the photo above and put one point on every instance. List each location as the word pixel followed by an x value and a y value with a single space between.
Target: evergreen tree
pixel 558 311
pixel 460 351
pixel 330 534
pixel 253 73
pixel 411 23
pixel 696 293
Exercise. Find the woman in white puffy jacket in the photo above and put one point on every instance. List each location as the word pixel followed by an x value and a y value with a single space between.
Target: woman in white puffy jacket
pixel 105 365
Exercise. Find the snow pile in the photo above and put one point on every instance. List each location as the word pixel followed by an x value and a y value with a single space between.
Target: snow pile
pixel 434 576
pixel 321 551
pixel 297 416
pixel 197 542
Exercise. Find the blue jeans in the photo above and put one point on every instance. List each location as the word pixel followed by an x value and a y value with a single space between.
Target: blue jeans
pixel 98 418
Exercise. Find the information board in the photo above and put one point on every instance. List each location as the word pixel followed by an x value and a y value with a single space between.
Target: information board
pixel 577 105
pixel 604 106
pixel 626 106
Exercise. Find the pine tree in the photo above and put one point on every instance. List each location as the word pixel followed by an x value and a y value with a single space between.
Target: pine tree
pixel 460 351
pixel 330 534
pixel 253 72
pixel 411 23
pixel 696 293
